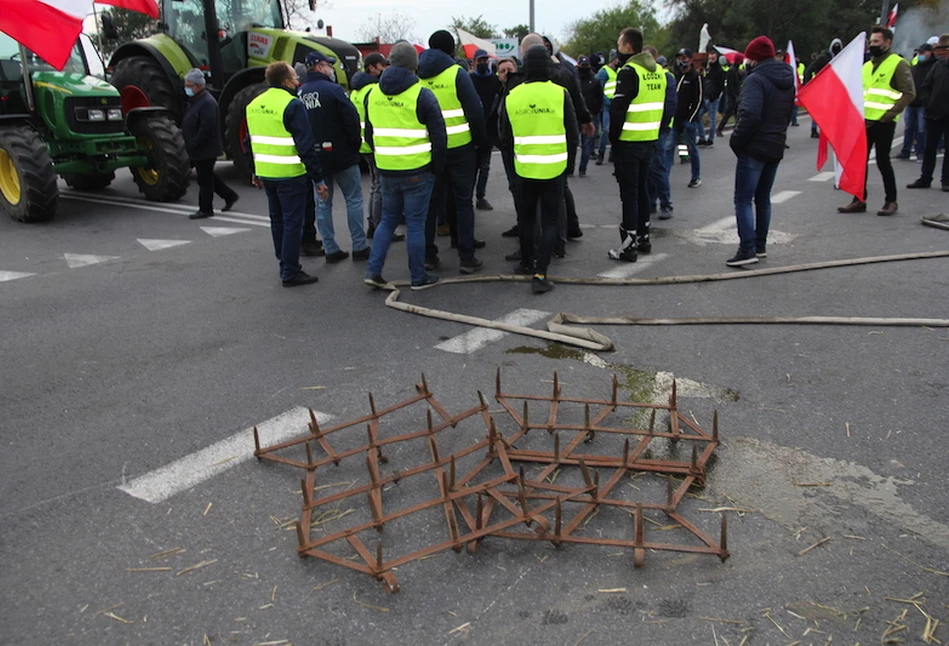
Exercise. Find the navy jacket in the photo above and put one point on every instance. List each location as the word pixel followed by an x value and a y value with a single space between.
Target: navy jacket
pixel 295 121
pixel 201 128
pixel 396 80
pixel 361 80
pixel 333 120
pixel 433 62
pixel 764 111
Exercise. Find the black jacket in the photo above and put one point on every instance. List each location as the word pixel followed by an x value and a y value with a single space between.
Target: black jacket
pixel 627 89
pixel 334 121
pixel 764 111
pixel 201 128
pixel 689 87
pixel 569 122
pixel 714 83
pixel 489 90
pixel 734 77
pixel 935 91
pixel 592 91
pixel 920 71
pixel 396 80
pixel 433 62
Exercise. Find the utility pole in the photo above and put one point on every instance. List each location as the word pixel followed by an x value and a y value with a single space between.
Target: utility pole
pixel 532 15
pixel 884 14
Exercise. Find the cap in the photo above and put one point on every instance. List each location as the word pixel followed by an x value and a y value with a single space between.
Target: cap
pixel 613 55
pixel 583 61
pixel 925 47
pixel 318 57
pixel 480 54
pixel 685 52
pixel 374 58
pixel 662 60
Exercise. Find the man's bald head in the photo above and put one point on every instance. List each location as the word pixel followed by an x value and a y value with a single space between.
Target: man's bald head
pixel 529 41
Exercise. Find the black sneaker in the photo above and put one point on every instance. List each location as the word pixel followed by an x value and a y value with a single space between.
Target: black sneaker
pixel 742 258
pixel 520 269
pixel 626 255
pixel 919 184
pixel 560 250
pixel 229 204
pixel 945 188
pixel 362 254
pixel 541 284
pixel 479 244
pixel 695 183
pixel 514 257
pixel 301 278
pixel 599 160
pixel 470 265
pixel 573 234
pixel 375 280
pixel 815 135
pixel 338 256
pixel 513 232
pixel 312 249
pixel 583 172
pixel 200 215
pixel 427 282
pixel 432 263
pixel 484 205
pixel 665 212
pixel 761 251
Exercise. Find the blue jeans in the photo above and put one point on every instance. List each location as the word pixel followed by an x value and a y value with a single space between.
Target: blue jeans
pixel 659 167
pixel 605 127
pixel 914 128
pixel 711 109
pixel 753 181
pixel 286 200
pixel 408 197
pixel 689 131
pixel 794 115
pixel 587 144
pixel 350 183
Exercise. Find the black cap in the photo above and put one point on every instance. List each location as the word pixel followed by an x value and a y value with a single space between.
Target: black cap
pixel 685 52
pixel 925 47
pixel 583 61
pixel 375 58
pixel 318 57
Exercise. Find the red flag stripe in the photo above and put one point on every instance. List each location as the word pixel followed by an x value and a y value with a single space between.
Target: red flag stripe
pixel 147 7
pixel 45 30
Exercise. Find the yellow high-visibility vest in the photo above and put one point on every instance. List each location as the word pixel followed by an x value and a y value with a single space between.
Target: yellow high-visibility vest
pixel 644 114
pixel 444 86
pixel 878 93
pixel 275 152
pixel 609 88
pixel 400 140
pixel 536 113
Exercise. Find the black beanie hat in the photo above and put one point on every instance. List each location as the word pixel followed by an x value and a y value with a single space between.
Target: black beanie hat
pixel 537 63
pixel 442 40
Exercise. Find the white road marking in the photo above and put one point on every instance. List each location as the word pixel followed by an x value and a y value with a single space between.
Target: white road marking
pixel 783 196
pixel 228 218
pixel 126 201
pixel 191 470
pixel 627 269
pixel 76 260
pixel 476 339
pixel 822 177
pixel 217 232
pixel 158 245
pixel 725 231
pixel 13 275
pixel 110 202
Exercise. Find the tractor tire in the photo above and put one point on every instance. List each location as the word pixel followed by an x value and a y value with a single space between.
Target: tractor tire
pixel 28 191
pixel 88 181
pixel 235 126
pixel 167 176
pixel 145 75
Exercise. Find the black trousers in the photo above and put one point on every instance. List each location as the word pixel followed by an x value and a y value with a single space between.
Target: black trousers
pixel 208 184
pixel 935 131
pixel 529 194
pixel 631 161
pixel 731 111
pixel 309 218
pixel 880 135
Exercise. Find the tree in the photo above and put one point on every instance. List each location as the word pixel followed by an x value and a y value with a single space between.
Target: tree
pixel 388 28
pixel 598 32
pixel 517 31
pixel 130 25
pixel 475 26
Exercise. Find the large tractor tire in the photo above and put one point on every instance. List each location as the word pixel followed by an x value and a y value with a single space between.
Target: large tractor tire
pixel 142 83
pixel 165 179
pixel 235 126
pixel 88 181
pixel 28 191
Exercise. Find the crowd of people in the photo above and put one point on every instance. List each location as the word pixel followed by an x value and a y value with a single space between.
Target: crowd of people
pixel 425 127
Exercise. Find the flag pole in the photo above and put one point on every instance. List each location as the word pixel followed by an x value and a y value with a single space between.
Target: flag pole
pixel 885 13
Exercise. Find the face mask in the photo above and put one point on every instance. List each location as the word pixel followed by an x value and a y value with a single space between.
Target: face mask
pixel 922 59
pixel 482 68
pixel 876 50
pixel 623 57
pixel 682 65
pixel 189 91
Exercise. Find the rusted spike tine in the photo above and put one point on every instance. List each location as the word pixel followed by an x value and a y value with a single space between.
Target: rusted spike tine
pixel 558 521
pixel 445 485
pixel 586 473
pixel 453 528
pixel 556 385
pixel 497 383
pixel 481 400
pixel 557 447
pixel 723 542
pixel 522 496
pixel 694 465
pixel 372 405
pixel 314 425
pixel 376 511
pixel 434 447
pixel 379 544
pixel 369 434
pixel 373 473
pixel 256 443
pixel 652 421
pixel 301 538
pixel 626 452
pixel 309 453
pixel 520 476
pixel 615 388
pixel 586 416
pixel 673 400
pixel 428 419
pixel 425 390
pixel 639 523
pixel 670 494
pixel 306 492
pixel 527 423
pixel 383 459
pixel 451 478
pixel 480 512
pixel 596 485
pixel 492 437
pixel 715 425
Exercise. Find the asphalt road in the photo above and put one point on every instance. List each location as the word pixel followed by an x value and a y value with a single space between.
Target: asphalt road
pixel 123 353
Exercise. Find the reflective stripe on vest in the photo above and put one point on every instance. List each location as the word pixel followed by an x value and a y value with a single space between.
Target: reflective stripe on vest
pixel 878 95
pixel 275 152
pixel 444 86
pixel 536 113
pixel 401 140
pixel 645 111
pixel 609 88
pixel 358 97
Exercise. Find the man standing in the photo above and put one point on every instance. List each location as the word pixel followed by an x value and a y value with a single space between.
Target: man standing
pixel 733 80
pixel 712 87
pixel 488 87
pixel 284 164
pixel 607 76
pixel 637 115
pixel 887 89
pixel 335 124
pixel 464 123
pixel 914 129
pixel 201 128
pixel 593 95
pixel 538 129
pixel 405 128
pixel 935 94
pixel 661 163
pixel 767 101
pixel 689 89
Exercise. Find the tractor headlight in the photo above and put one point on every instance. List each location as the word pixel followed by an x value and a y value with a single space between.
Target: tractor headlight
pixel 96 115
pixel 114 114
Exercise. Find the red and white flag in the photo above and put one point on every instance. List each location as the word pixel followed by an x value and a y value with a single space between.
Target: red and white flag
pixel 50 28
pixel 834 99
pixel 891 19
pixel 791 60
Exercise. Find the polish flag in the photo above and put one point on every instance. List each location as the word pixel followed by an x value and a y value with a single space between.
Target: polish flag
pixel 791 60
pixel 50 28
pixel 471 43
pixel 891 19
pixel 834 99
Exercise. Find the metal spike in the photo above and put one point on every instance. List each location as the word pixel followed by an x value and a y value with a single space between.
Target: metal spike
pixel 451 477
pixel 484 404
pixel 670 494
pixel 639 524
pixel 520 475
pixel 301 537
pixel 626 452
pixel 615 389
pixel 723 542
pixel 373 474
pixel 715 425
pixel 695 459
pixel 314 425
pixel 522 495
pixel 556 385
pixel 434 447
pixel 673 403
pixel 558 521
pixel 428 419
pixel 652 421
pixel 306 492
pixel 445 484
pixel 557 447
pixel 527 423
pixel 453 528
pixel 586 473
pixel 256 443
pixel 379 547
pixel 425 389
pixel 480 512
pixel 586 416
pixel 497 383
pixel 372 405
pixel 309 453
pixel 596 485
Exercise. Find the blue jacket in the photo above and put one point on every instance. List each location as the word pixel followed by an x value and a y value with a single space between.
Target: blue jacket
pixel 764 111
pixel 433 62
pixel 334 122
pixel 294 120
pixel 361 80
pixel 201 128
pixel 396 80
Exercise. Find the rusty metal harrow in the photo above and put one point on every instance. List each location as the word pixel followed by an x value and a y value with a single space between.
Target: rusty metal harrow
pixel 480 492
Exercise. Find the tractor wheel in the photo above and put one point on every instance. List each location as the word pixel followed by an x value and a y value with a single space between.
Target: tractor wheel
pixel 142 82
pixel 28 191
pixel 236 126
pixel 88 181
pixel 165 179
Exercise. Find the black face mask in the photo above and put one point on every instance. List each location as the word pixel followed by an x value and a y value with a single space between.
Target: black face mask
pixel 623 57
pixel 585 72
pixel 482 68
pixel 682 65
pixel 877 50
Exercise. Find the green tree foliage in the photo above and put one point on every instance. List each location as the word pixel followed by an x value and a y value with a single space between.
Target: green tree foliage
pixel 130 25
pixel 598 32
pixel 517 31
pixel 475 26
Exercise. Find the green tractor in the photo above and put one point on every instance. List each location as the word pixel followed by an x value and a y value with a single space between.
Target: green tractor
pixel 232 41
pixel 71 124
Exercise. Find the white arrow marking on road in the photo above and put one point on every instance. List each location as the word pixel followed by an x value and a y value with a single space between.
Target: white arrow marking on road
pixel 13 275
pixel 822 177
pixel 142 204
pixel 240 220
pixel 161 484
pixel 217 232
pixel 479 337
pixel 158 245
pixel 76 260
pixel 783 196
pixel 627 269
